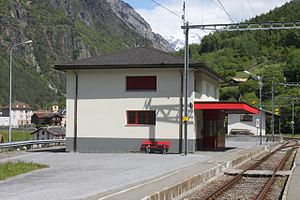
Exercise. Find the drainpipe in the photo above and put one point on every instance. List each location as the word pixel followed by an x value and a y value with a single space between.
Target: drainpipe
pixel 75 112
pixel 180 111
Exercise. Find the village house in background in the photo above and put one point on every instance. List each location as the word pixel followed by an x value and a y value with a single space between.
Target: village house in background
pixel 48 133
pixel 237 80
pixel 46 119
pixel 55 117
pixel 21 115
pixel 50 124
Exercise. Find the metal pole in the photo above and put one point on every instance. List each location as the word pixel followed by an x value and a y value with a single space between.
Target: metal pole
pixel 260 109
pixel 186 87
pixel 279 128
pixel 273 118
pixel 10 85
pixel 293 117
pixel 10 93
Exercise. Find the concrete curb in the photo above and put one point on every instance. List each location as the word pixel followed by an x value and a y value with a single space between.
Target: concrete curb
pixel 286 189
pixel 186 187
pixel 239 160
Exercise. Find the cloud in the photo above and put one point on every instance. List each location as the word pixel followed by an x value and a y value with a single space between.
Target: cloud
pixel 203 12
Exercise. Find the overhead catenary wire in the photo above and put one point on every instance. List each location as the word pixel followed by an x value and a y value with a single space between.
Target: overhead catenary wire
pixel 222 8
pixel 226 11
pixel 251 7
pixel 216 4
pixel 242 10
pixel 167 9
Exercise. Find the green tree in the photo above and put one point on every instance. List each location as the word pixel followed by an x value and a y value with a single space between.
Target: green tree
pixel 229 94
pixel 251 99
pixel 249 86
pixel 292 69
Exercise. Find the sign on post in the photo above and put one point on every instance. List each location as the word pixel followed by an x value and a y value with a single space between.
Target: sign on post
pixel 257 123
pixel 185 118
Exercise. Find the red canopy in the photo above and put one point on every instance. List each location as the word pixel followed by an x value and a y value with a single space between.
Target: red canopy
pixel 229 107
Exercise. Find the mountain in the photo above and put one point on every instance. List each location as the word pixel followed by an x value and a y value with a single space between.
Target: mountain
pixel 177 44
pixel 128 15
pixel 62 31
pixel 272 54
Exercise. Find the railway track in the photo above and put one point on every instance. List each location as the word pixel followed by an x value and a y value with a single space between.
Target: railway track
pixel 243 186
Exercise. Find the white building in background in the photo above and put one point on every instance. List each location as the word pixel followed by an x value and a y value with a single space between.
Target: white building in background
pixel 21 114
pixel 4 121
pixel 117 101
pixel 248 123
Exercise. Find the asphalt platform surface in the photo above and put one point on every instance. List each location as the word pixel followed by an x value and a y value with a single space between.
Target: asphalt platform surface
pixel 82 176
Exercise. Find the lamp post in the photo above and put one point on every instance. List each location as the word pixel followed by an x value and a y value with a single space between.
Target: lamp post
pixel 293 116
pixel 273 110
pixel 259 79
pixel 10 84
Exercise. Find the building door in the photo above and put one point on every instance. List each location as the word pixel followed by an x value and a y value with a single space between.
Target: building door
pixel 214 137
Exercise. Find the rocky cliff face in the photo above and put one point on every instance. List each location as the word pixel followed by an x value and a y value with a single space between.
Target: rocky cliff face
pixel 63 31
pixel 128 15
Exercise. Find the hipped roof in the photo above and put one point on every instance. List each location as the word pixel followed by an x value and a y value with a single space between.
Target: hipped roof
pixel 141 57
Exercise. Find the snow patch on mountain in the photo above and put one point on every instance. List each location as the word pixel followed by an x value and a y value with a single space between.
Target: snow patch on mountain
pixel 177 44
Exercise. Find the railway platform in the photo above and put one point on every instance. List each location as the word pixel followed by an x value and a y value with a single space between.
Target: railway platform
pixel 121 176
pixel 179 183
pixel 293 191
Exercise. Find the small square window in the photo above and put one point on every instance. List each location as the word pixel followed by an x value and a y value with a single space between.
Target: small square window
pixel 246 118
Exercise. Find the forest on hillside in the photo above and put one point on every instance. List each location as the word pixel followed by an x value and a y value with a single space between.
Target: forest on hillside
pixel 273 55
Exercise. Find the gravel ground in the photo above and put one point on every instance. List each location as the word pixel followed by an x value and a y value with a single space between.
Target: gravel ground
pixel 248 187
pixel 77 176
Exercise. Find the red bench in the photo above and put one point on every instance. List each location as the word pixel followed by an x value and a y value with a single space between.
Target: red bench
pixel 152 146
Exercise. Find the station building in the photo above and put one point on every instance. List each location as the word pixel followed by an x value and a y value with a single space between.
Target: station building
pixel 117 101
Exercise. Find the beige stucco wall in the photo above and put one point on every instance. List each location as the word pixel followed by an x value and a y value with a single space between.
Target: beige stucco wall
pixel 103 102
pixel 206 88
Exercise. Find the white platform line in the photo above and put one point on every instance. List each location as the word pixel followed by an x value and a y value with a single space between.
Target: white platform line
pixel 120 192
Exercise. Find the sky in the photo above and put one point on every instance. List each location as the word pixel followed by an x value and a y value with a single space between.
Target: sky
pixel 198 12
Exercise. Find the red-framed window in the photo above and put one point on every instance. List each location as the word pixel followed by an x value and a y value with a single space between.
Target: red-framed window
pixel 134 83
pixel 141 117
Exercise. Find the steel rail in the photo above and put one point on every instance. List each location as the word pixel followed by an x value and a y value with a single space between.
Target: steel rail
pixel 264 191
pixel 234 180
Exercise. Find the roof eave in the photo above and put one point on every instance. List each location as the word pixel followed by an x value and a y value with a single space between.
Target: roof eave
pixel 122 66
pixel 195 66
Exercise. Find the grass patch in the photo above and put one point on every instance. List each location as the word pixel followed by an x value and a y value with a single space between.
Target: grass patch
pixel 10 169
pixel 16 135
pixel 296 136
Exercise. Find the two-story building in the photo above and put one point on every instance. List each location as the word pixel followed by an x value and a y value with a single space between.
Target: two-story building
pixel 116 101
pixel 46 118
pixel 21 114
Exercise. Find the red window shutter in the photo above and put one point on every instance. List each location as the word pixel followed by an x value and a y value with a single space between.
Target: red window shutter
pixel 141 83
